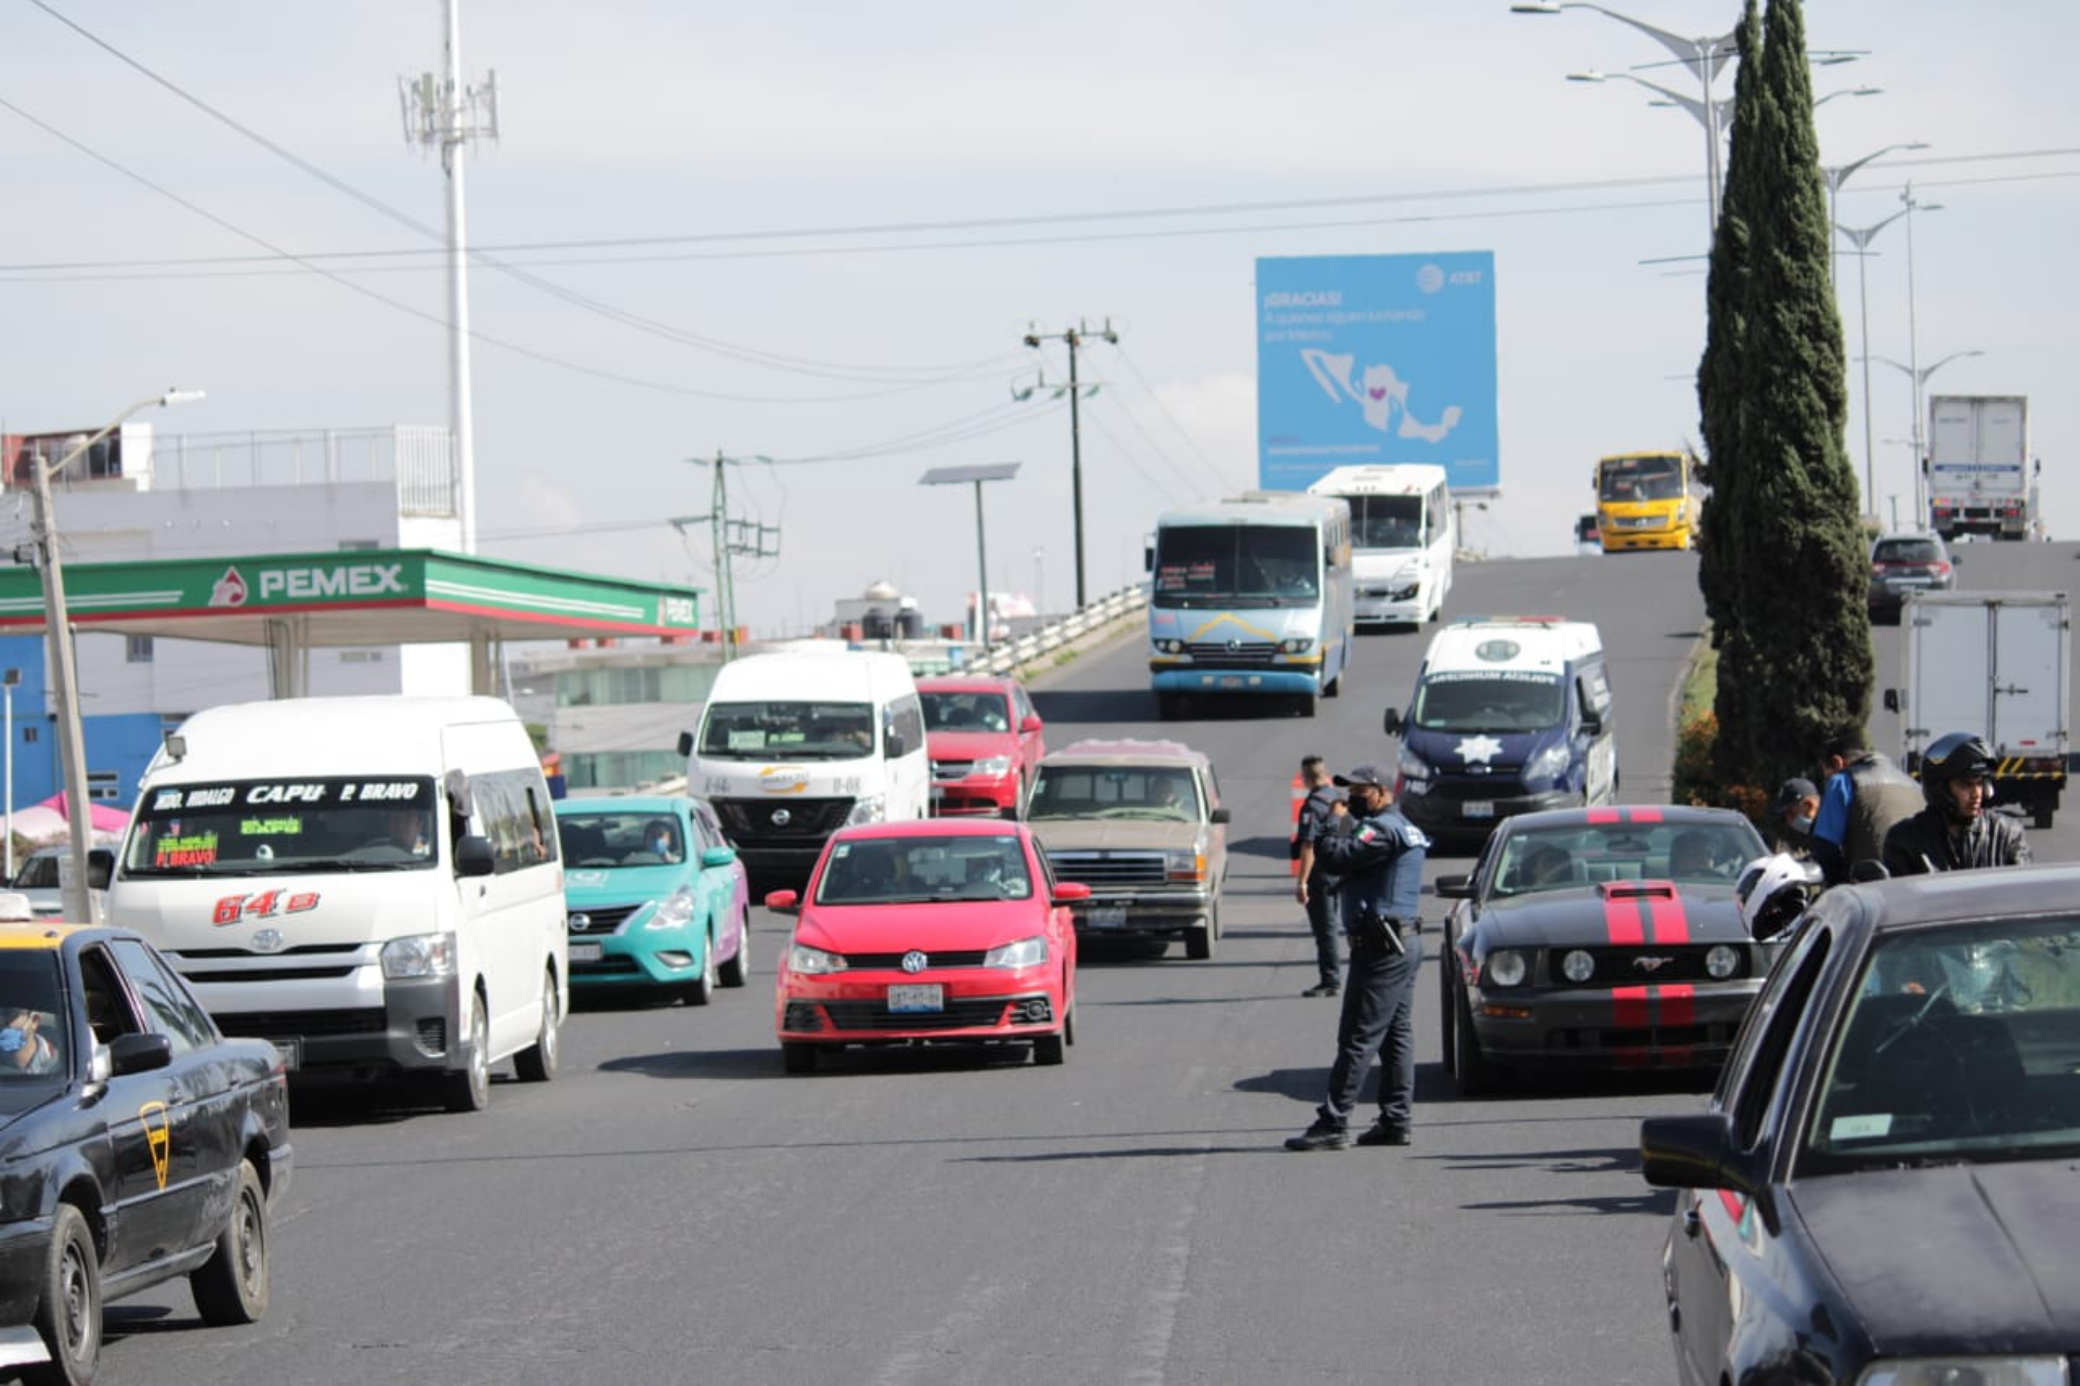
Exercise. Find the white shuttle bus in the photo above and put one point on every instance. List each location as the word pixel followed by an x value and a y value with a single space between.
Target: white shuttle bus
pixel 796 744
pixel 1403 535
pixel 372 883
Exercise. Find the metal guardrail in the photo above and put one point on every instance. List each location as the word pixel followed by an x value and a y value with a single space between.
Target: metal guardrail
pixel 1050 638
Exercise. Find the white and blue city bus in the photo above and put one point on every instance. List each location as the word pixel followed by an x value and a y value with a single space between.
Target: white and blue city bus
pixel 1402 539
pixel 1250 595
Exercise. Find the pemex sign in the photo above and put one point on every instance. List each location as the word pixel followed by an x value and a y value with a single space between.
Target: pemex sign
pixel 205 591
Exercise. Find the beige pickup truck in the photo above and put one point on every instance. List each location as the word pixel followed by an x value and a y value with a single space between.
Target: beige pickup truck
pixel 1141 824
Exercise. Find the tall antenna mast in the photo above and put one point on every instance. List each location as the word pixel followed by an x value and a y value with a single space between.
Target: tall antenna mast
pixel 443 114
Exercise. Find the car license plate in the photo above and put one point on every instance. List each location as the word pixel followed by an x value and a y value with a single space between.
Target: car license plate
pixel 1109 917
pixel 1231 681
pixel 585 952
pixel 912 998
pixel 291 1051
pixel 1478 808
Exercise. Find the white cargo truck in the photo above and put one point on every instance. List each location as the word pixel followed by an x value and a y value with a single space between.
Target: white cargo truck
pixel 1981 479
pixel 1996 664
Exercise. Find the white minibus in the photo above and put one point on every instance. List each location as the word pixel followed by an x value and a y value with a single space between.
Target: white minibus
pixel 1403 535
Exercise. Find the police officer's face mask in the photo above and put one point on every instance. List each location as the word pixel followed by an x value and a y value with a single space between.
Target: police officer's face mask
pixel 1803 824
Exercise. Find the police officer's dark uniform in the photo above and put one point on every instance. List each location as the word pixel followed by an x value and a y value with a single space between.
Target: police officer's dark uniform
pixel 1379 854
pixel 1944 837
pixel 1317 819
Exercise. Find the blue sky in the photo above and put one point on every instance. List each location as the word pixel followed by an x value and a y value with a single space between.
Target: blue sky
pixel 819 231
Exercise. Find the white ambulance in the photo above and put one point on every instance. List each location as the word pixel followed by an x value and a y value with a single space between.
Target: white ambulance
pixel 372 883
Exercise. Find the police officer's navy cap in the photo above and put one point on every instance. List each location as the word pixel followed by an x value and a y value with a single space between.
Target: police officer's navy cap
pixel 1365 774
pixel 1791 792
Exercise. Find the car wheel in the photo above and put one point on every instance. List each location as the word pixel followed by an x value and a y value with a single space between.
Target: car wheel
pixel 232 1286
pixel 1199 943
pixel 797 1058
pixel 1303 705
pixel 1018 799
pixel 537 1063
pixel 1477 1076
pixel 1169 706
pixel 701 990
pixel 69 1318
pixel 470 1090
pixel 737 970
pixel 1049 1050
pixel 1069 1022
pixel 2041 812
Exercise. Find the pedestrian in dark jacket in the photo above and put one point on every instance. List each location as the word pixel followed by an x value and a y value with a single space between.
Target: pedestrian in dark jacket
pixel 1379 854
pixel 1316 889
pixel 1865 795
pixel 1955 832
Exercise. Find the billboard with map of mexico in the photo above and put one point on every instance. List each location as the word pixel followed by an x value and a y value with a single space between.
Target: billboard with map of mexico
pixel 1376 359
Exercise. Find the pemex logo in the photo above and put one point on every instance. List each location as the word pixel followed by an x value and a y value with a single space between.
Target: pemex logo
pixel 229 590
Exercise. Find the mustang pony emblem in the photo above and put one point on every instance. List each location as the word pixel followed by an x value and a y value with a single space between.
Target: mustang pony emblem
pixel 1648 962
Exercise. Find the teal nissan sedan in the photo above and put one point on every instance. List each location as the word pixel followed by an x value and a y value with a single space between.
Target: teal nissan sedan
pixel 655 895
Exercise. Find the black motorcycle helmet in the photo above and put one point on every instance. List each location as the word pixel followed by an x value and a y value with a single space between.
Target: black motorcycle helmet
pixel 1958 756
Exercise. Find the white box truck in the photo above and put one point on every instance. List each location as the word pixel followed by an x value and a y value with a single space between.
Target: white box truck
pixel 1981 480
pixel 1996 664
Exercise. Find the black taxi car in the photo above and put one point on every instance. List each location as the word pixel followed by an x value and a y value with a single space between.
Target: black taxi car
pixel 1599 937
pixel 1886 1183
pixel 137 1144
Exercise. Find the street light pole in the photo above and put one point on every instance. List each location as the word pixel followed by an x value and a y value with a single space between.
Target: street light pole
pixel 1919 376
pixel 997 471
pixel 1862 239
pixel 63 675
pixel 1838 174
pixel 1703 57
pixel 1908 203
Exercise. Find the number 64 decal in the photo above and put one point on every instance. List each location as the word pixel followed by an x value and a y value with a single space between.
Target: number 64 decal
pixel 233 908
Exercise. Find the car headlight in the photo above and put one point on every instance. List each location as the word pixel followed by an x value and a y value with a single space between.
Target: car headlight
pixel 1170 647
pixel 1414 769
pixel 1722 962
pixel 1299 644
pixel 992 765
pixel 813 961
pixel 1549 764
pixel 1026 952
pixel 868 808
pixel 1184 868
pixel 675 911
pixel 421 955
pixel 1577 966
pixel 1955 1371
pixel 1506 968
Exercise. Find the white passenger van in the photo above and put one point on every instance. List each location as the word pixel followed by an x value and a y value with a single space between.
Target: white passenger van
pixel 794 745
pixel 1403 536
pixel 372 883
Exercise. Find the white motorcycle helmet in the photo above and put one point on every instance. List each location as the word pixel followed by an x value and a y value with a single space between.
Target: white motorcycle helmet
pixel 1773 891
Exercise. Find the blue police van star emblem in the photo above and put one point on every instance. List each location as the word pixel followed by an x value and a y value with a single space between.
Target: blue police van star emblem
pixel 1481 749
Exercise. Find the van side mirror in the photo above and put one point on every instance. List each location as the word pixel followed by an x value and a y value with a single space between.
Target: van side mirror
pixel 1892 700
pixel 717 856
pixel 784 901
pixel 1592 723
pixel 1391 722
pixel 896 749
pixel 473 855
pixel 685 743
pixel 1219 815
pixel 1148 558
pixel 1032 723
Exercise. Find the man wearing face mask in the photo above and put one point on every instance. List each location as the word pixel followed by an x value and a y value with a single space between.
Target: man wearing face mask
pixel 1796 805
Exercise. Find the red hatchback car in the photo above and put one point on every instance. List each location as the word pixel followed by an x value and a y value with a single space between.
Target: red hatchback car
pixel 926 932
pixel 984 739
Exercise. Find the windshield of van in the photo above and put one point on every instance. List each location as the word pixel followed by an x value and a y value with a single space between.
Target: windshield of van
pixel 1386 522
pixel 1236 566
pixel 266 827
pixel 787 731
pixel 1485 701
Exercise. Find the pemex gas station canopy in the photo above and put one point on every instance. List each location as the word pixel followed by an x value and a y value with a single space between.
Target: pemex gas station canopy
pixel 293 603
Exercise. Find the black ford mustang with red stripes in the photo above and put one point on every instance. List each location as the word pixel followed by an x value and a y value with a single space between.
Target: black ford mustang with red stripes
pixel 1599 938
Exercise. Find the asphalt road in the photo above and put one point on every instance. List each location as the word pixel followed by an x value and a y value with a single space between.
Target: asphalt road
pixel 674 1209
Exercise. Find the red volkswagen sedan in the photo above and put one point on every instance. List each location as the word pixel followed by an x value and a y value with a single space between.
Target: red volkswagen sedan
pixel 935 931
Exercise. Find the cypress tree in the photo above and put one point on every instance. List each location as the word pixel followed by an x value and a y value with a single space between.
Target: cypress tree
pixel 1800 567
pixel 1719 397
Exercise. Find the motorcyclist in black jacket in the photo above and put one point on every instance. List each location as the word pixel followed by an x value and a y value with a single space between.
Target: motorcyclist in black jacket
pixel 1955 832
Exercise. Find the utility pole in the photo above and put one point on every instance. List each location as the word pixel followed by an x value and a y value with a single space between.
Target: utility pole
pixel 1073 338
pixel 443 114
pixel 727 537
